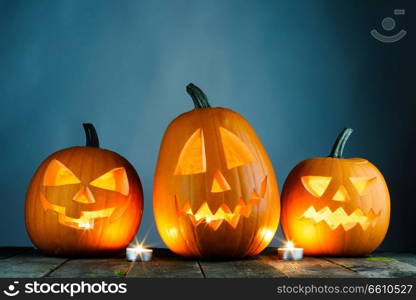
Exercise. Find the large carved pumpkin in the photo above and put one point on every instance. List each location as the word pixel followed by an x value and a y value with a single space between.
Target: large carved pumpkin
pixel 215 192
pixel 83 201
pixel 336 206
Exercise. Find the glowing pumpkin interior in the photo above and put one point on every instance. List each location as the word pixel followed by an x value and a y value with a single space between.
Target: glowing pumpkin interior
pixel 192 160
pixel 317 186
pixel 59 175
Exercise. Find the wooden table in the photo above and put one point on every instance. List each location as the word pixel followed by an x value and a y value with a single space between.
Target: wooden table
pixel 28 262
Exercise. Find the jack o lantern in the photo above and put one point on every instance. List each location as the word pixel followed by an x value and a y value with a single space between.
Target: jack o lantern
pixel 83 201
pixel 336 206
pixel 215 193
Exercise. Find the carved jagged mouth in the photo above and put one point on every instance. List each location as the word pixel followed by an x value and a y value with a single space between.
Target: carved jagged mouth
pixel 86 221
pixel 204 215
pixel 340 217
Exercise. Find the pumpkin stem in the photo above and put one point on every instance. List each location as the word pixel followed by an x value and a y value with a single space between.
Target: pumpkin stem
pixel 198 96
pixel 91 135
pixel 339 144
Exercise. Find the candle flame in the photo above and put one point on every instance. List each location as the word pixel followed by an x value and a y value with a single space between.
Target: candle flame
pixel 138 250
pixel 139 247
pixel 290 245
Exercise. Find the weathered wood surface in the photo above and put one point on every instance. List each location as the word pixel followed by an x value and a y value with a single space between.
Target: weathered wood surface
pixel 249 268
pixel 29 264
pixel 403 257
pixel 92 268
pixel 310 267
pixel 26 262
pixel 378 266
pixel 165 265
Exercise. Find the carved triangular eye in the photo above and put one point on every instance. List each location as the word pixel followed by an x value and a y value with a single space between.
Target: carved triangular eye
pixel 236 152
pixel 114 180
pixel 58 174
pixel 192 159
pixel 362 184
pixel 316 185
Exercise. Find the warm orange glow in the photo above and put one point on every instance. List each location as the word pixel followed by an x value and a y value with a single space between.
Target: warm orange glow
pixel 219 183
pixel 341 194
pixel 347 216
pixel 192 159
pixel 231 146
pixel 362 183
pixel 266 234
pixel 172 233
pixel 58 174
pixel 236 152
pixel 114 180
pixel 224 213
pixel 66 216
pixel 316 185
pixel 339 217
pixel 85 221
pixel 84 195
pixel 141 251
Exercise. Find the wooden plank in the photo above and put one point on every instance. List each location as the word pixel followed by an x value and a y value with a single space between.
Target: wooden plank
pixel 6 252
pixel 92 268
pixel 409 258
pixel 309 267
pixel 29 264
pixel 165 265
pixel 376 266
pixel 248 268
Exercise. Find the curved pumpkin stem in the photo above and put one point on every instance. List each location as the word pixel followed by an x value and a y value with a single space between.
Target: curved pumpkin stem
pixel 338 148
pixel 198 96
pixel 91 135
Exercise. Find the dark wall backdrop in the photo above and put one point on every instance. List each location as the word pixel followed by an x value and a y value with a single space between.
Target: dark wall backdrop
pixel 299 71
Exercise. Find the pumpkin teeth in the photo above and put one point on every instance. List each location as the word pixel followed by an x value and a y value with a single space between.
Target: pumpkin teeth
pixel 224 213
pixel 85 221
pixel 214 219
pixel 339 217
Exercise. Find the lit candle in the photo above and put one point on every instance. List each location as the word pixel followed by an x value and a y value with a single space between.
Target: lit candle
pixel 290 252
pixel 138 253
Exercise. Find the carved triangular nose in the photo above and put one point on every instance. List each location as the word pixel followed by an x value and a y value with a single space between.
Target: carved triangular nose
pixel 219 183
pixel 341 194
pixel 84 195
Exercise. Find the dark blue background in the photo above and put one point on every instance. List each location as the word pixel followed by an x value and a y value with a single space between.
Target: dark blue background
pixel 299 71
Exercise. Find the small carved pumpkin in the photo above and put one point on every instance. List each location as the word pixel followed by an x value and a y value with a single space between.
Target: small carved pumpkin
pixel 336 206
pixel 83 201
pixel 215 192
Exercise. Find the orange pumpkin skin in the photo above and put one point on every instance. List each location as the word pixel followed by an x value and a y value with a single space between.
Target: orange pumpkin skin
pixel 83 201
pixel 215 193
pixel 336 206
